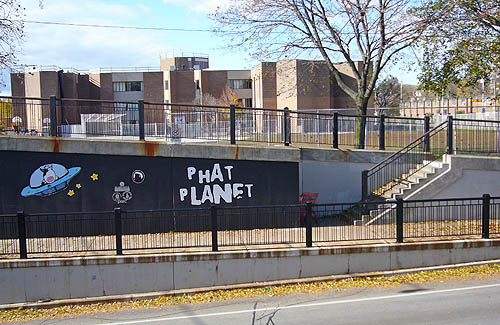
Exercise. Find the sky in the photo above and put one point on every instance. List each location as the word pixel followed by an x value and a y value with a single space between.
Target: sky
pixel 86 48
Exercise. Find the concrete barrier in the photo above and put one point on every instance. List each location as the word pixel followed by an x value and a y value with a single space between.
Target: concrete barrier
pixel 65 278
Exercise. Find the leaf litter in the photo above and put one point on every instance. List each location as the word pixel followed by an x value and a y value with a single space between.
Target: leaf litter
pixel 470 272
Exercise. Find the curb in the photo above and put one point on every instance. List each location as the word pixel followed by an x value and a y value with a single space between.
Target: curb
pixel 152 295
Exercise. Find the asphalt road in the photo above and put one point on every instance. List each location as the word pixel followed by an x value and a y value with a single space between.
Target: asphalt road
pixel 448 302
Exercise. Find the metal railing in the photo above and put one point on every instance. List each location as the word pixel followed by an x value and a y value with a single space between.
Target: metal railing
pixel 87 118
pixel 476 136
pixel 205 229
pixel 398 167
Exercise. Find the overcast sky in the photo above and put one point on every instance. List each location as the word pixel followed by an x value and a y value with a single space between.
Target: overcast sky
pixel 87 48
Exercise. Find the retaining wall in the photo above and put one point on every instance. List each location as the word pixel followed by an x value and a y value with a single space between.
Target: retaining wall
pixel 102 171
pixel 51 279
pixel 467 176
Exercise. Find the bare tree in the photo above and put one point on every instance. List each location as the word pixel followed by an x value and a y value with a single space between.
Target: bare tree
pixel 367 34
pixel 388 92
pixel 11 31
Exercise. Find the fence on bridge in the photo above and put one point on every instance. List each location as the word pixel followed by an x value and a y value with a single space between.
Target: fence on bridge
pixel 84 118
pixel 202 229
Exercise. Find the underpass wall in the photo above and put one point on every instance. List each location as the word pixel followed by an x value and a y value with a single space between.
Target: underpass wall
pixel 66 278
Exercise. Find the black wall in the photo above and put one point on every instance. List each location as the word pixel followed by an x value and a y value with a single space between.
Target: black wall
pixel 260 183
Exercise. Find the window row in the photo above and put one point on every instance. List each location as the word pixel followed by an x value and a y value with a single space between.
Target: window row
pixel 240 83
pixel 122 86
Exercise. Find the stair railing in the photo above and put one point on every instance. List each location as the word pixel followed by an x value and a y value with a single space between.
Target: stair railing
pixel 398 167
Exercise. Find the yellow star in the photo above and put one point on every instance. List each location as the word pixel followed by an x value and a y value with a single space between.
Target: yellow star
pixel 78 186
pixel 71 192
pixel 94 177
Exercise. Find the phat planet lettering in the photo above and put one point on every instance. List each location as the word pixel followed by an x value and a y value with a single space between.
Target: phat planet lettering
pixel 212 192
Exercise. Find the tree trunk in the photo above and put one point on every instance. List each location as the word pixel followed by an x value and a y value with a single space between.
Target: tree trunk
pixel 361 124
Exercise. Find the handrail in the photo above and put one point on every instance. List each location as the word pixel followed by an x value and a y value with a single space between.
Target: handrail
pixel 389 172
pixel 402 149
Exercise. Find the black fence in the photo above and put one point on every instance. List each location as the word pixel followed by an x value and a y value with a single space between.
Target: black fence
pixel 214 228
pixel 85 118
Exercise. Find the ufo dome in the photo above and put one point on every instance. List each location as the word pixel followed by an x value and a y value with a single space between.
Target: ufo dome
pixel 47 174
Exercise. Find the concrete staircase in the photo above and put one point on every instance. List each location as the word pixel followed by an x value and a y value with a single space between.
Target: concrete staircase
pixel 415 179
pixel 412 182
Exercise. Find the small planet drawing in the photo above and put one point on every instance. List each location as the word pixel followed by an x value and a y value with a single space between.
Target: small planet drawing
pixel 49 179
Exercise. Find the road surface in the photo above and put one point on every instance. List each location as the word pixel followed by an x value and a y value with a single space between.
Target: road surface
pixel 445 302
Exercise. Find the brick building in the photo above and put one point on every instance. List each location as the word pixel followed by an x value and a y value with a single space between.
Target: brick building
pixel 300 85
pixel 180 80
pixel 188 80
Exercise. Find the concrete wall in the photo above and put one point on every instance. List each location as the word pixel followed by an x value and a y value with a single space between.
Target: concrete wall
pixel 51 279
pixel 467 176
pixel 336 174
pixel 139 183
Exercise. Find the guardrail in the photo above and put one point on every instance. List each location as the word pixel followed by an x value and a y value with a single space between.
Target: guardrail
pixel 201 229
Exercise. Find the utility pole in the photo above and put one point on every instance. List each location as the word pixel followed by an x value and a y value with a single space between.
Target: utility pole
pixel 482 94
pixel 495 91
pixel 401 98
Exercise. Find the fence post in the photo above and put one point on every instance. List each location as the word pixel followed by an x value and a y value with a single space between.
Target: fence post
pixel 118 231
pixel 21 229
pixel 364 185
pixel 381 144
pixel 427 139
pixel 215 242
pixel 53 116
pixel 232 118
pixel 336 130
pixel 142 135
pixel 450 135
pixel 399 220
pixel 309 224
pixel 286 126
pixel 486 217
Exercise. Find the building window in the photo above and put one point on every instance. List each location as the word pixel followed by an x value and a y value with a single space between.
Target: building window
pixel 166 84
pixel 123 86
pixel 197 84
pixel 240 83
pixel 119 107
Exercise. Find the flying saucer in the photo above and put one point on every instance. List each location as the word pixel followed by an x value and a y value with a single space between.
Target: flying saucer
pixel 49 179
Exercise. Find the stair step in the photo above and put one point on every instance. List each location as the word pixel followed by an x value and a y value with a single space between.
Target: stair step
pixel 411 181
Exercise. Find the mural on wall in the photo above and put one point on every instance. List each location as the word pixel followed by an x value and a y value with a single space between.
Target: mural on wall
pixel 122 193
pixel 50 179
pixel 53 178
pixel 138 176
pixel 212 192
pixel 60 182
pixel 225 182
